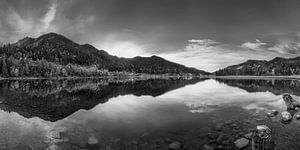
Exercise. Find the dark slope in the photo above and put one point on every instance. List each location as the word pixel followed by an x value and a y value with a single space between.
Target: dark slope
pixel 277 66
pixel 59 49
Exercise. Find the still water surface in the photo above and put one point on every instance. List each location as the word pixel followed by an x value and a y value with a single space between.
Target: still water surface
pixel 142 114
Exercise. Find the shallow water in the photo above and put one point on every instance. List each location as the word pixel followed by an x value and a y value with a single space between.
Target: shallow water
pixel 142 114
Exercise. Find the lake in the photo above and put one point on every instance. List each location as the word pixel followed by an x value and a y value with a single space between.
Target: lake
pixel 142 114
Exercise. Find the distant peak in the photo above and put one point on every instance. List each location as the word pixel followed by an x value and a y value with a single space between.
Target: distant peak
pixel 25 41
pixel 157 57
pixel 55 37
pixel 277 58
pixel 88 46
pixel 51 35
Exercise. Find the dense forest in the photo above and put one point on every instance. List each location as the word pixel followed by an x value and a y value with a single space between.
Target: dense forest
pixel 53 55
pixel 275 67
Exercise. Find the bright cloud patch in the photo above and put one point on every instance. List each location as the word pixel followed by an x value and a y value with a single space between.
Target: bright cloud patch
pixel 210 55
pixel 29 25
pixel 257 45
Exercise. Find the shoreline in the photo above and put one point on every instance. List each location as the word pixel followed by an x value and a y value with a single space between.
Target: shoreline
pixel 257 77
pixel 94 77
pixel 297 77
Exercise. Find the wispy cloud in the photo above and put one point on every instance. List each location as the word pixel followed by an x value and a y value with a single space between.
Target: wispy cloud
pixel 49 16
pixel 257 45
pixel 29 25
pixel 210 55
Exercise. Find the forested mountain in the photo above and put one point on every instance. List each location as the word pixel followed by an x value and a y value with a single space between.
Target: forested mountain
pixel 275 67
pixel 53 55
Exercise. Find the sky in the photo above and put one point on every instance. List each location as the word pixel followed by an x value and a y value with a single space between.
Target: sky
pixel 205 34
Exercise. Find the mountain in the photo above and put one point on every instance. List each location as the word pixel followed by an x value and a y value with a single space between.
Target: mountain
pixel 277 66
pixel 1 44
pixel 55 55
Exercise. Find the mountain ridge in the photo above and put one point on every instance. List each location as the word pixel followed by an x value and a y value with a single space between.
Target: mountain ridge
pixel 278 66
pixel 56 54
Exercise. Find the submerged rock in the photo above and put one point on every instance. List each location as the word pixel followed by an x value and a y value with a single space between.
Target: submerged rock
pixel 298 116
pixel 272 113
pixel 221 138
pixel 175 146
pixel 262 138
pixel 219 127
pixel 249 135
pixel 241 143
pixel 92 141
pixel 290 102
pixel 208 147
pixel 263 131
pixel 286 116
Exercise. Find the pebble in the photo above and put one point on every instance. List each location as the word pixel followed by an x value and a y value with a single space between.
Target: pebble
pixel 249 135
pixel 208 147
pixel 297 116
pixel 286 116
pixel 275 112
pixel 175 145
pixel 226 142
pixel 221 138
pixel 241 143
pixel 212 135
pixel 92 141
pixel 219 126
pixel 228 122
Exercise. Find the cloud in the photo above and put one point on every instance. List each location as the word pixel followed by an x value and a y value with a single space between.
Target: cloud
pixel 210 55
pixel 257 45
pixel 200 44
pixel 20 25
pixel 286 46
pixel 49 16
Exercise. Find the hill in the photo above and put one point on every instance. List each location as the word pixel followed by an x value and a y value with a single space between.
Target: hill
pixel 55 55
pixel 275 67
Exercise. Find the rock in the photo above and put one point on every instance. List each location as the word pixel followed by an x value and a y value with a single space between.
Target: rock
pixel 219 127
pixel 241 143
pixel 274 111
pixel 248 135
pixel 270 114
pixel 262 138
pixel 228 122
pixel 220 147
pixel 92 141
pixel 167 140
pixel 226 142
pixel 297 116
pixel 175 145
pixel 221 138
pixel 286 116
pixel 208 147
pixel 290 102
pixel 212 135
pixel 235 126
pixel 263 131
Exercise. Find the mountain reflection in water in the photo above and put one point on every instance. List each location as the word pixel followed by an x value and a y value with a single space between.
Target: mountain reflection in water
pixel 53 100
pixel 142 114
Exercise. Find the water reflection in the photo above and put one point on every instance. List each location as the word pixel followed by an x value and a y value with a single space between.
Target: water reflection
pixel 53 100
pixel 275 86
pixel 141 114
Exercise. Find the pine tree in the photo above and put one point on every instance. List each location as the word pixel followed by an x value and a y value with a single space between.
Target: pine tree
pixel 4 68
